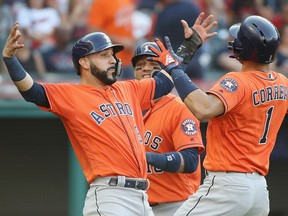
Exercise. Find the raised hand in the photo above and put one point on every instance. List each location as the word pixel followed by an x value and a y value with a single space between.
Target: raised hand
pixel 195 36
pixel 202 27
pixel 12 45
pixel 166 56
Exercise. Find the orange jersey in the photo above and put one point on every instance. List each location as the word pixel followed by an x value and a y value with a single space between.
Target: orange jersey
pixel 114 18
pixel 105 127
pixel 255 105
pixel 170 127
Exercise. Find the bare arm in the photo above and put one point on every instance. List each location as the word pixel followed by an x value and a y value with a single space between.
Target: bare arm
pixel 204 106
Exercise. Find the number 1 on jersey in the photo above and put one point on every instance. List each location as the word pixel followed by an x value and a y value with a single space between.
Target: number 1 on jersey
pixel 267 125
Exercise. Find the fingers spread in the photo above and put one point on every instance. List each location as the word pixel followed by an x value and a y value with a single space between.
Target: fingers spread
pixel 16 36
pixel 160 44
pixel 211 26
pixel 184 24
pixel 153 49
pixel 211 35
pixel 167 43
pixel 207 20
pixel 14 29
pixel 199 18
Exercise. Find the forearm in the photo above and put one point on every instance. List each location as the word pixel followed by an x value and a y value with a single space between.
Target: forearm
pixel 185 161
pixel 31 91
pixel 202 105
pixel 22 80
pixel 189 46
pixel 164 84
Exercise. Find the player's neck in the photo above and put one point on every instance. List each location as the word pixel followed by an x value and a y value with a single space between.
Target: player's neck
pixel 249 66
pixel 92 81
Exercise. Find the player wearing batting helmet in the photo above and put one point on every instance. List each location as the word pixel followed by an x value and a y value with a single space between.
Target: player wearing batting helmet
pixel 245 111
pixel 93 43
pixel 172 140
pixel 103 119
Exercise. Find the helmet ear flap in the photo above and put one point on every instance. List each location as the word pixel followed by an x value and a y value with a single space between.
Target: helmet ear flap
pixel 118 66
pixel 237 49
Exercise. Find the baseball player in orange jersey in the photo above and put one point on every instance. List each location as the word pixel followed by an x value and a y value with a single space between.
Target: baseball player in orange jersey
pixel 171 131
pixel 245 110
pixel 103 119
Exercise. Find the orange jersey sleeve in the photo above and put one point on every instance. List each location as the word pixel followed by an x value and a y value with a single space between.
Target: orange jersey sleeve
pixel 105 127
pixel 242 139
pixel 113 18
pixel 170 126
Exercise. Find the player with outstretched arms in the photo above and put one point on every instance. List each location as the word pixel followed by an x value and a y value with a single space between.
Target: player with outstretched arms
pixel 103 119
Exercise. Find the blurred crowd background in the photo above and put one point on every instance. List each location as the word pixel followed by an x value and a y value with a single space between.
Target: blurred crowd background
pixel 50 27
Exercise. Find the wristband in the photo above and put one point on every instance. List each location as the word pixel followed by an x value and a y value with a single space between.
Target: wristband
pixel 189 46
pixel 167 162
pixel 183 83
pixel 15 69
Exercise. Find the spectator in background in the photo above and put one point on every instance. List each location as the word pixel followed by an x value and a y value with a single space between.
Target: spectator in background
pixel 75 19
pixel 39 22
pixel 31 59
pixel 280 17
pixel 11 3
pixel 115 19
pixel 221 60
pixel 60 5
pixel 148 5
pixel 217 46
pixel 141 25
pixel 168 23
pixel 58 58
pixel 5 22
pixel 281 61
pixel 240 9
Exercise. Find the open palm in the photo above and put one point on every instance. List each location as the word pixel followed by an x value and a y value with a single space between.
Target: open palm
pixel 202 27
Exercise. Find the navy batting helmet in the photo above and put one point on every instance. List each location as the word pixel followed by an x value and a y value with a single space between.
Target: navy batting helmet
pixel 143 50
pixel 256 39
pixel 92 43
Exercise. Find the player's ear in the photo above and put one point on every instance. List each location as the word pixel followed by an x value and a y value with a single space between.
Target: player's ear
pixel 84 62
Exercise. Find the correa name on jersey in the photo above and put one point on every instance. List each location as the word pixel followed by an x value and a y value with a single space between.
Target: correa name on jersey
pixel 108 110
pixel 270 93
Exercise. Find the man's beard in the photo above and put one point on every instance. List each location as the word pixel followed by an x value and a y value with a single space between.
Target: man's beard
pixel 102 74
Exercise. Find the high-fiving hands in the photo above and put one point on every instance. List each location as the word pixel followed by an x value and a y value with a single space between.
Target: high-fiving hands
pixel 195 36
pixel 166 56
pixel 202 27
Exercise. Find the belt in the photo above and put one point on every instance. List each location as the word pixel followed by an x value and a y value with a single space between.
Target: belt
pixel 138 184
pixel 222 172
pixel 154 204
